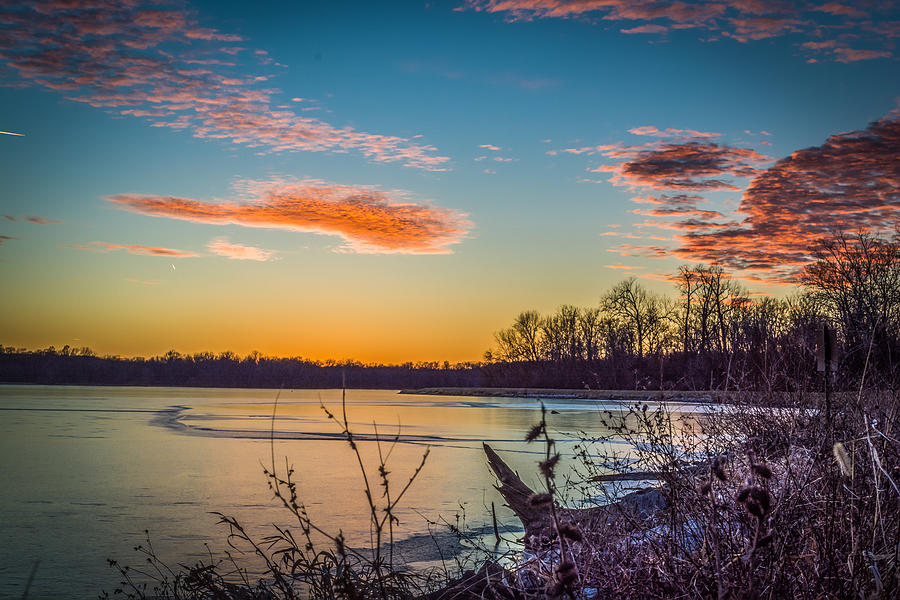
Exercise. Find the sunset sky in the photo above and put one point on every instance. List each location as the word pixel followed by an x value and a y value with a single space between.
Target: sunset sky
pixel 396 181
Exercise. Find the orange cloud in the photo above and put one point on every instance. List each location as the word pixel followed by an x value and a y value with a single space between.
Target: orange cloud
pixel 223 247
pixel 370 221
pixel 159 64
pixel 849 183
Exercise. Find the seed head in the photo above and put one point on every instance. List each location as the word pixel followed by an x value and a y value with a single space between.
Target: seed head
pixel 762 470
pixel 566 573
pixel 705 488
pixel 571 531
pixel 719 470
pixel 535 432
pixel 548 465
pixel 756 500
pixel 843 460
pixel 542 499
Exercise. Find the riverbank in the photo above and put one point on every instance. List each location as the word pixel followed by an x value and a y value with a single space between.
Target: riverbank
pixel 714 396
pixel 507 392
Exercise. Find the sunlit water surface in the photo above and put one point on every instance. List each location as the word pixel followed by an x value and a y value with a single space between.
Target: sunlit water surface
pixel 85 470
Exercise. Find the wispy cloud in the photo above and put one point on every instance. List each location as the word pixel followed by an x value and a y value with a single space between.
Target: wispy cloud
pixel 6 238
pixel 742 20
pixel 671 132
pixel 369 220
pixel 134 249
pixel 156 62
pixel 645 29
pixel 11 133
pixel 222 247
pixel 32 219
pixel 41 220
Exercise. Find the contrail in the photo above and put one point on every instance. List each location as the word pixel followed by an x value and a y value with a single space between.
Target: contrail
pixel 11 133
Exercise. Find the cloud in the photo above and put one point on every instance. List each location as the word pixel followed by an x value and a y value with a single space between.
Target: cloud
pixel 143 250
pixel 370 221
pixel 847 55
pixel 223 247
pixel 689 166
pixel 835 8
pixel 490 147
pixel 645 29
pixel 742 20
pixel 6 238
pixel 159 64
pixel 41 220
pixel 850 183
pixel 650 130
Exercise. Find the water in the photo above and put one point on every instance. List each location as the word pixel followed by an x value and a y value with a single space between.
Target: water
pixel 85 470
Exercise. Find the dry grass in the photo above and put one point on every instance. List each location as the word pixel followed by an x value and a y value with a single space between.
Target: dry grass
pixel 761 503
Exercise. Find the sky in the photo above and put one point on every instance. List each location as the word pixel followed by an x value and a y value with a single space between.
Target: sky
pixel 392 182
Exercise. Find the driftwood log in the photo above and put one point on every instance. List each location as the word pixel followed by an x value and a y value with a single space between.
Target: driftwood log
pixel 632 511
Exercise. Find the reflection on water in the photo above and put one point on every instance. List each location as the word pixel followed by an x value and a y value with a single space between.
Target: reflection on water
pixel 86 470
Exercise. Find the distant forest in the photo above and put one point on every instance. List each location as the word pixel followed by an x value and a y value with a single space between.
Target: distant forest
pixel 714 335
pixel 711 336
pixel 79 366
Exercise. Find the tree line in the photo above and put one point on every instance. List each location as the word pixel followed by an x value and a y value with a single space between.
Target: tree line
pixel 713 334
pixel 81 366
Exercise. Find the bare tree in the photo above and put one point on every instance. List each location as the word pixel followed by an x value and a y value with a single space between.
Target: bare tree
pixel 522 341
pixel 642 312
pixel 589 325
pixel 856 282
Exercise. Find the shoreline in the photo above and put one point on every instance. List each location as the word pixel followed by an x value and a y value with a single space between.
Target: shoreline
pixel 506 392
pixel 688 396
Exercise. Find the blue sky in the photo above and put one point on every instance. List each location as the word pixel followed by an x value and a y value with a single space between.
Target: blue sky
pixel 395 182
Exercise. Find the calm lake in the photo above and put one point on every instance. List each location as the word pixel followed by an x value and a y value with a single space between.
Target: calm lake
pixel 85 470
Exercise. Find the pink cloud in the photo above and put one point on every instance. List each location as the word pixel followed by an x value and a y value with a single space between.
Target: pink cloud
pixel 669 132
pixel 223 247
pixel 836 8
pixel 160 65
pixel 847 55
pixel 370 221
pixel 490 147
pixel 742 20
pixel 645 29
